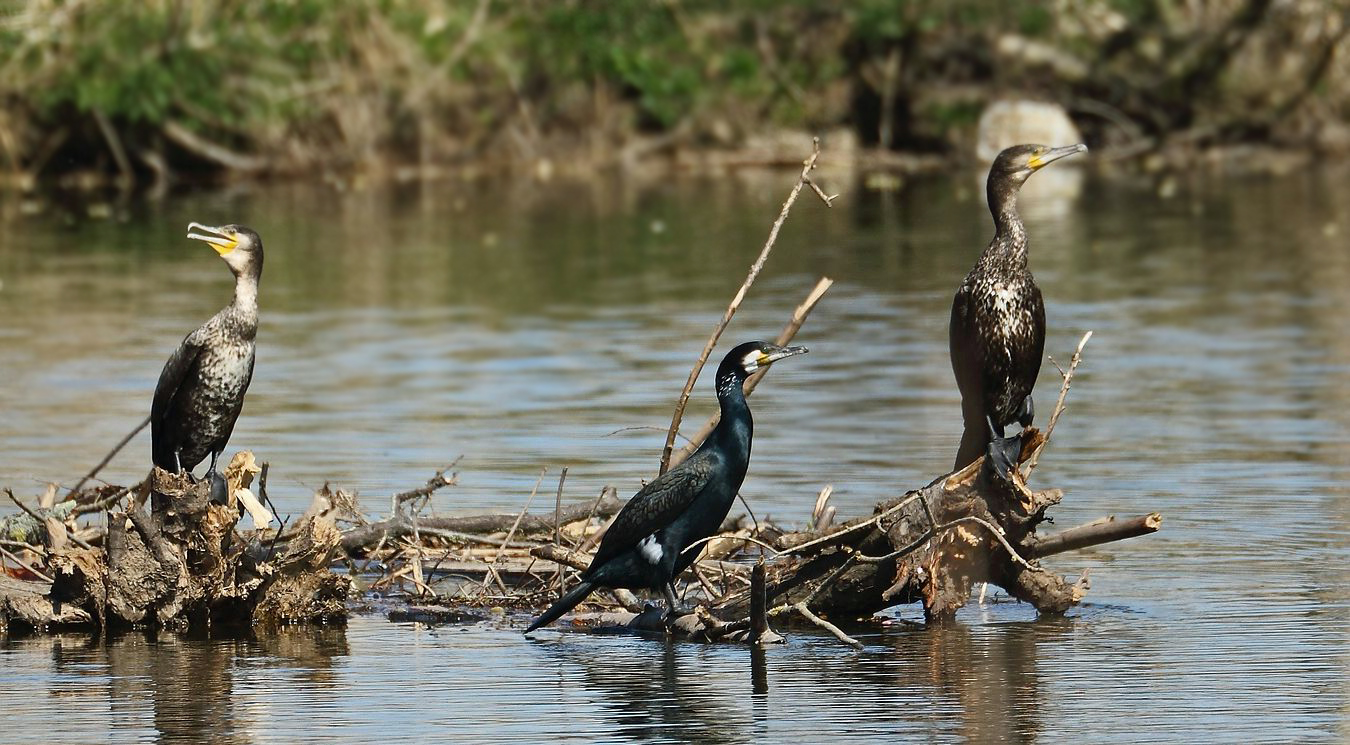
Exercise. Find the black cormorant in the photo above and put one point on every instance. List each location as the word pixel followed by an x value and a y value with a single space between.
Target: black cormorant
pixel 997 331
pixel 645 546
pixel 201 388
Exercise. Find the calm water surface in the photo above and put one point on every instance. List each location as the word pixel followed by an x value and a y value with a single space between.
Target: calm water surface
pixel 521 325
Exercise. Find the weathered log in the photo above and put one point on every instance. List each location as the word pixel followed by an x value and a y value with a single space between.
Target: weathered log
pixel 183 564
pixel 357 540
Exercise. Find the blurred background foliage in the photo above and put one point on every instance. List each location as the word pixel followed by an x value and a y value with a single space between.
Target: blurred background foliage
pixel 279 86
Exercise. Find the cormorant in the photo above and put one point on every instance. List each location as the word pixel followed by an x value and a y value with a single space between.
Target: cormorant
pixel 645 546
pixel 201 388
pixel 997 331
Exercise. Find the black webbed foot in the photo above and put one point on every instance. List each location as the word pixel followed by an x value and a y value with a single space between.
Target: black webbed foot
pixel 220 491
pixel 1003 453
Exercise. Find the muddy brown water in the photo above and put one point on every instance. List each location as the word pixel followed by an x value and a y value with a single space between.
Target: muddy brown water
pixel 521 325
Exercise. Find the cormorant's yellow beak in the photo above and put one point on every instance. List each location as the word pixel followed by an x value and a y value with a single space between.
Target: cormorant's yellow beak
pixel 766 358
pixel 1041 160
pixel 221 241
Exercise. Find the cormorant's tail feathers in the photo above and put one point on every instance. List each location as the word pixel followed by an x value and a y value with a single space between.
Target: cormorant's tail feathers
pixel 565 603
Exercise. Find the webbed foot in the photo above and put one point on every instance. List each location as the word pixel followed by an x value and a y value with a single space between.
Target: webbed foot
pixel 1003 453
pixel 220 491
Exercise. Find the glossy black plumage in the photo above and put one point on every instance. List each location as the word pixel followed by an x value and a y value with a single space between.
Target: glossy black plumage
pixel 201 388
pixel 997 331
pixel 645 546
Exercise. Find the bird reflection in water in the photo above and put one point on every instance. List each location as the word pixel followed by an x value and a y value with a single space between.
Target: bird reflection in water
pixel 182 688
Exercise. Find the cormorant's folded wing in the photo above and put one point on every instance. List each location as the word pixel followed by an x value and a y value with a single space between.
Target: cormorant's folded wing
pixel 171 378
pixel 655 506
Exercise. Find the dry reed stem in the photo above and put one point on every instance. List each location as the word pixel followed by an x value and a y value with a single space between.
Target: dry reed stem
pixel 512 532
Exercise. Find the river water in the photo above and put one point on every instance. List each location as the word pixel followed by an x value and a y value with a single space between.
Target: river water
pixel 521 325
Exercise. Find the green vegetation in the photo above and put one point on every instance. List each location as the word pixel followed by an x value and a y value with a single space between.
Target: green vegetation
pixel 304 85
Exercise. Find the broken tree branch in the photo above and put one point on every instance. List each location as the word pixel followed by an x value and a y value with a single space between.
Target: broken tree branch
pixel 1094 533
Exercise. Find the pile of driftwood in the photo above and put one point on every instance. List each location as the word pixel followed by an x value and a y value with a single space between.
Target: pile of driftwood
pixel 185 562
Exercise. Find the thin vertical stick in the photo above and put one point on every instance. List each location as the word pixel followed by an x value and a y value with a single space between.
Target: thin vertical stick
pixel 1059 405
pixel 802 180
pixel 759 602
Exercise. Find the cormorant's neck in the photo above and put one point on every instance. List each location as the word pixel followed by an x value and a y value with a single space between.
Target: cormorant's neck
pixel 246 295
pixel 1010 236
pixel 735 428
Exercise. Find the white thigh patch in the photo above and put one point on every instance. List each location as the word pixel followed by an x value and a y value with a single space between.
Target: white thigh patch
pixel 650 548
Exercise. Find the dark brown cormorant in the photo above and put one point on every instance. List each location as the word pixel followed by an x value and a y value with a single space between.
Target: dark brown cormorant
pixel 201 388
pixel 645 546
pixel 997 331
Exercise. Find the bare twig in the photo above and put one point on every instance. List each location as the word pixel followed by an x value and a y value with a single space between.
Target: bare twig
pixel 817 620
pixel 557 524
pixel 1059 404
pixel 868 523
pixel 755 268
pixel 928 534
pixel 104 503
pixel 557 508
pixel 111 454
pixel 746 538
pixel 434 483
pixel 25 546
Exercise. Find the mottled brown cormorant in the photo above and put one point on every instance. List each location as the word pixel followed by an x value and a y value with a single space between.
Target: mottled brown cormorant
pixel 997 331
pixel 201 388
pixel 645 546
